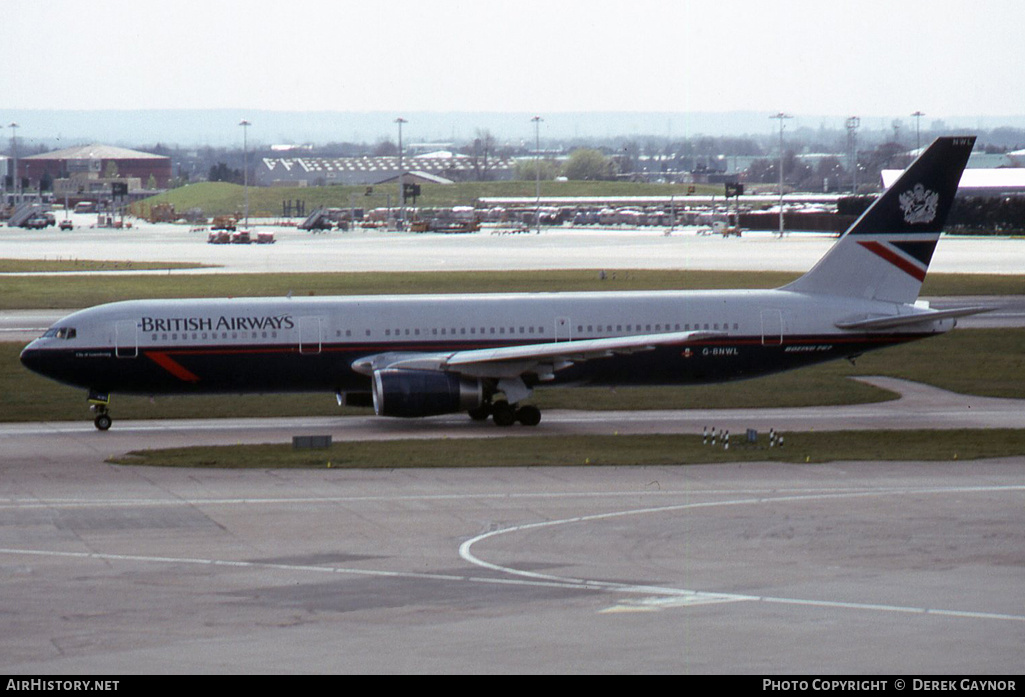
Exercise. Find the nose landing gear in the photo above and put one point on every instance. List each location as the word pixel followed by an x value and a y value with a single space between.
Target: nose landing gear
pixel 98 403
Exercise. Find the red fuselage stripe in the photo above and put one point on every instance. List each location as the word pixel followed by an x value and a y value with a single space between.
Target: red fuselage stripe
pixel 172 366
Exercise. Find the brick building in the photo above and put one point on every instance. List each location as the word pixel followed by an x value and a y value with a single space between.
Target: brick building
pixel 93 162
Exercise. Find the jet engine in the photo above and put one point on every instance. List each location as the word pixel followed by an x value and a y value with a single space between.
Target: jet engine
pixel 413 393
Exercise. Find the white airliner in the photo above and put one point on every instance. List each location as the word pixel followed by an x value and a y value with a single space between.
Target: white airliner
pixel 439 354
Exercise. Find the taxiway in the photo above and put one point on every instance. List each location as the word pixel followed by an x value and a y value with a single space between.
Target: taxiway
pixel 910 568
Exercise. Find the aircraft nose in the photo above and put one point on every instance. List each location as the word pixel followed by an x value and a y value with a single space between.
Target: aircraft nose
pixel 32 358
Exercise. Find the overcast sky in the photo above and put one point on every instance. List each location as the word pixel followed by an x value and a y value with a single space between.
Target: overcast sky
pixel 867 57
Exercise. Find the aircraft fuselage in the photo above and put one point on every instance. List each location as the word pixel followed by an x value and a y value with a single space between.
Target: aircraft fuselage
pixel 310 344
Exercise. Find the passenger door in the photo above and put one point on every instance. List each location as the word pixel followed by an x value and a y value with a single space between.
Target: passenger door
pixel 772 327
pixel 126 338
pixel 310 335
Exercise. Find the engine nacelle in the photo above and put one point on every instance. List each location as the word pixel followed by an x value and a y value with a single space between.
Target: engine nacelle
pixel 413 393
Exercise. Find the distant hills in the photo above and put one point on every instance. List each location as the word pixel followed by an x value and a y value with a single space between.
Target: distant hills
pixel 219 128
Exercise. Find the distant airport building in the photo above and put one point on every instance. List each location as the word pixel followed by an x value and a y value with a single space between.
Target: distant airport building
pixel 325 171
pixel 84 167
pixel 416 177
pixel 1001 181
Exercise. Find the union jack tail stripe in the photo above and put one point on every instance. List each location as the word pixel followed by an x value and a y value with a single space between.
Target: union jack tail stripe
pixel 913 266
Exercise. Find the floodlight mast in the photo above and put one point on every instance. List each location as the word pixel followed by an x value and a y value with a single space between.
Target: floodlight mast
pixel 853 123
pixel 245 165
pixel 918 131
pixel 782 117
pixel 16 190
pixel 537 172
pixel 402 190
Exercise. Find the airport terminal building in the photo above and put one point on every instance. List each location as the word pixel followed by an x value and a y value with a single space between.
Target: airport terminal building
pixel 90 163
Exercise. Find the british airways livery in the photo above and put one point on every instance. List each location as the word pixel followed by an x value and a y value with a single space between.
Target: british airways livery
pixel 414 356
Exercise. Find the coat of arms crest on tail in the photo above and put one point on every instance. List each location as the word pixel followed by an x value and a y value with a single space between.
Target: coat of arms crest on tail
pixel 919 205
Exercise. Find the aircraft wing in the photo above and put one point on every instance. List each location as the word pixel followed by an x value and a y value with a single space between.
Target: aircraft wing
pixel 513 361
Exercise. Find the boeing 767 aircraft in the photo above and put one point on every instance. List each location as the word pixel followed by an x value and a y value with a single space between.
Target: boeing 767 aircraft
pixel 440 354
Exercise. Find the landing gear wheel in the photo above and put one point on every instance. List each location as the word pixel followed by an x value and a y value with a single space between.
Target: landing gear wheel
pixel 503 414
pixel 480 413
pixel 103 421
pixel 528 415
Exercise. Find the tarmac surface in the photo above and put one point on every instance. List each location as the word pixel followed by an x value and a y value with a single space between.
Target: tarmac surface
pixel 877 568
pixel 491 248
pixel 911 568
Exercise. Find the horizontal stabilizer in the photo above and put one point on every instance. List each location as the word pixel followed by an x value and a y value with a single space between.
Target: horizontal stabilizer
pixel 894 321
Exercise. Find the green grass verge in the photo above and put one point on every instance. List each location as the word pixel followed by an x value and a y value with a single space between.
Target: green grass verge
pixel 31 292
pixel 220 198
pixel 65 265
pixel 21 292
pixel 611 450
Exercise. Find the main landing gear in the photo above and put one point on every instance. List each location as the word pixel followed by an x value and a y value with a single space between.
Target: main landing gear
pixel 98 404
pixel 505 414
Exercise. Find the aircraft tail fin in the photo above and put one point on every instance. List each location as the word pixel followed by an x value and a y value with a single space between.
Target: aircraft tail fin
pixel 885 254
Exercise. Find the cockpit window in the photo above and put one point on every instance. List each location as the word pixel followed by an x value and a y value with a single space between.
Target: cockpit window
pixel 60 333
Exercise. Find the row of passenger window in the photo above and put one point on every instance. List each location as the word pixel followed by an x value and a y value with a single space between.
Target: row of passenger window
pixel 540 331
pixel 453 331
pixel 667 327
pixel 442 331
pixel 197 336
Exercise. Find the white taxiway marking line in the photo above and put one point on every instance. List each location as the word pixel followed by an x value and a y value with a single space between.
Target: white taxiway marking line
pixel 665 597
pixel 96 556
pixel 58 503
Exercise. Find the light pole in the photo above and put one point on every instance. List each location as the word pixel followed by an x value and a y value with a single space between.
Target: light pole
pixel 402 189
pixel 14 151
pixel 537 171
pixel 245 164
pixel 918 131
pixel 782 117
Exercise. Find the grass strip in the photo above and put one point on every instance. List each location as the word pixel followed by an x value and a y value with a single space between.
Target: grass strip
pixel 597 451
pixel 33 293
pixel 66 265
pixel 222 198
